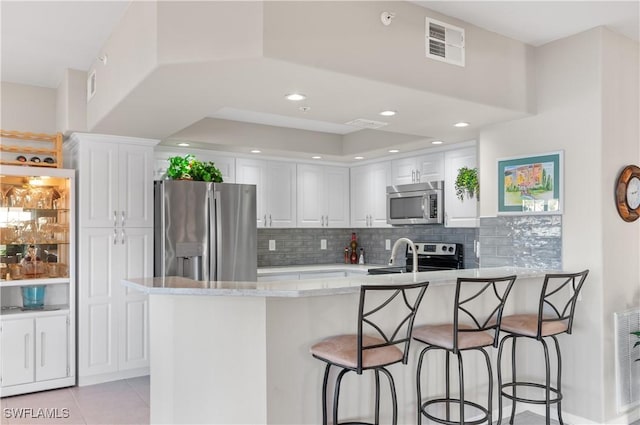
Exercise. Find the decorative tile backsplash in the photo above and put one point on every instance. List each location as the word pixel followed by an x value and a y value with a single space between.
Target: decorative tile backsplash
pixel 521 241
pixel 533 241
pixel 302 246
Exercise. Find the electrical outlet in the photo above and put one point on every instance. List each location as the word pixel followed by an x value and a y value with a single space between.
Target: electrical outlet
pixel 387 244
pixel 323 244
pixel 272 245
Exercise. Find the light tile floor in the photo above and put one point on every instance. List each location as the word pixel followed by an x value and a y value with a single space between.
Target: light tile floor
pixel 118 402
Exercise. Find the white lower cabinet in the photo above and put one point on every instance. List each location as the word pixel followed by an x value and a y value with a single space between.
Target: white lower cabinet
pixel 34 350
pixel 113 326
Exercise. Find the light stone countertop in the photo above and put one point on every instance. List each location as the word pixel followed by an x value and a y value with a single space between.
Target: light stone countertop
pixel 315 287
pixel 317 268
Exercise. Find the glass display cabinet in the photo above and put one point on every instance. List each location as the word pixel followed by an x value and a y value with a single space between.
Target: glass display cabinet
pixel 37 279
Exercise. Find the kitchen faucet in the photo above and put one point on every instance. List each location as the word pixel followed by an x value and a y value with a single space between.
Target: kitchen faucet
pixel 413 249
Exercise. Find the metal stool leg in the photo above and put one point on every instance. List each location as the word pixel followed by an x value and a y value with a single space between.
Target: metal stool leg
pixel 394 399
pixel 489 404
pixel 336 395
pixel 499 363
pixel 559 379
pixel 513 379
pixel 377 417
pixel 447 391
pixel 418 389
pixel 324 394
pixel 461 384
pixel 547 390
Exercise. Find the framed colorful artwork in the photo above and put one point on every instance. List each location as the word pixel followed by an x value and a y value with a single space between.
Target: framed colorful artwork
pixel 530 184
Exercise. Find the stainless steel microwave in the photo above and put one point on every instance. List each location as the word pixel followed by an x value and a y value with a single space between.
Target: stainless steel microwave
pixel 419 203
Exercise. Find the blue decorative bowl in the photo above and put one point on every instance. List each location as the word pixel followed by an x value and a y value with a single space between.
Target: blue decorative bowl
pixel 33 296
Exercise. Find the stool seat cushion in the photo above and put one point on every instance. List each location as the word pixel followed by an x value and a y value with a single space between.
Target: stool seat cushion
pixel 442 336
pixel 527 324
pixel 342 350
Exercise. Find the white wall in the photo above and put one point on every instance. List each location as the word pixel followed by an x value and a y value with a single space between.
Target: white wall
pixel 27 108
pixel 132 55
pixel 583 116
pixel 72 102
pixel 620 138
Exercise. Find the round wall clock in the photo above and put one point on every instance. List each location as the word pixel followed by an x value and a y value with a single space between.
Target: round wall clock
pixel 628 193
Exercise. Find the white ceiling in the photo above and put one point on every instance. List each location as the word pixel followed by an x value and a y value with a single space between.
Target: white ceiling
pixel 40 39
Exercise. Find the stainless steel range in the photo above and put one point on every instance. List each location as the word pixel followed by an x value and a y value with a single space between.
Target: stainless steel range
pixel 431 256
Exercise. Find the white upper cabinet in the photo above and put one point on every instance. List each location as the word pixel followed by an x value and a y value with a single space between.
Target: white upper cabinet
pixel 423 168
pixel 275 190
pixel 459 213
pixel 115 179
pixel 369 194
pixel 323 196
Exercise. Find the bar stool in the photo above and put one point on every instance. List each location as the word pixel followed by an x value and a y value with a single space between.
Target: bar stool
pixel 480 303
pixel 361 352
pixel 554 317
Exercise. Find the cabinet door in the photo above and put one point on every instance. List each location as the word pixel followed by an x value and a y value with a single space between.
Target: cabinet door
pixel 98 184
pixel 137 261
pixel 336 186
pixel 52 347
pixel 431 167
pixel 360 196
pixel 459 213
pixel 135 187
pixel 403 171
pixel 250 171
pixel 379 178
pixel 17 352
pixel 99 257
pixel 281 194
pixel 311 196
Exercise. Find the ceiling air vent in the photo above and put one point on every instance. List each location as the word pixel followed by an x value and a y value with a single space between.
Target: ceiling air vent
pixel 444 42
pixel 363 123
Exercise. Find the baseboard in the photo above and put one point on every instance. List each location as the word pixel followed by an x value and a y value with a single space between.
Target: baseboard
pixel 109 377
pixel 624 419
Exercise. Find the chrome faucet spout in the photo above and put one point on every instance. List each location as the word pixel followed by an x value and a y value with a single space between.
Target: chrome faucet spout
pixel 413 249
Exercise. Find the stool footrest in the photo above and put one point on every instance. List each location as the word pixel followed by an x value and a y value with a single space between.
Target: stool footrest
pixel 483 419
pixel 530 400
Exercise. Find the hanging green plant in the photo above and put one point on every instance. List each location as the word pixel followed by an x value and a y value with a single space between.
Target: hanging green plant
pixel 187 167
pixel 467 182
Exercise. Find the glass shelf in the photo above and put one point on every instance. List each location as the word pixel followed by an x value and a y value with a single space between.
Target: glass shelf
pixel 38 281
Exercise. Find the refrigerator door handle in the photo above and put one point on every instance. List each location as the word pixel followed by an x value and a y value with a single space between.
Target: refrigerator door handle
pixel 215 242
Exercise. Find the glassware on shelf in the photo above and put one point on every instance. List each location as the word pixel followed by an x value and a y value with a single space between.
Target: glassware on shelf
pixel 15 271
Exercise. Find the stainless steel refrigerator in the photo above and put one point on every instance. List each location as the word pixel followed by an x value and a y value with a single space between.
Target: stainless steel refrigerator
pixel 205 231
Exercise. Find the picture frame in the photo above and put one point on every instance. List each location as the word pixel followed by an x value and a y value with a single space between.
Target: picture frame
pixel 531 184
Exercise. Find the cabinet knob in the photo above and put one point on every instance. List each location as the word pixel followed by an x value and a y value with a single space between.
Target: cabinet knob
pixel 265 220
pixel 322 221
pixel 123 237
pixel 270 221
pixel 115 236
pixel 115 218
pixel 122 215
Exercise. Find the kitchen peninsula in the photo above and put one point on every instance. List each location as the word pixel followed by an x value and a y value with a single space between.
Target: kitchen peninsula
pixel 238 352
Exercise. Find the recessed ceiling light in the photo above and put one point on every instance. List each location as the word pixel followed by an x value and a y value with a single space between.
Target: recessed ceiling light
pixel 316 157
pixel 394 150
pixel 436 142
pixel 461 124
pixel 183 144
pixel 388 113
pixel 358 157
pixel 256 151
pixel 296 96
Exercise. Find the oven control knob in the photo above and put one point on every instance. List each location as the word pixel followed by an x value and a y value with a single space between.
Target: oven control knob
pixel 450 249
pixel 444 248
